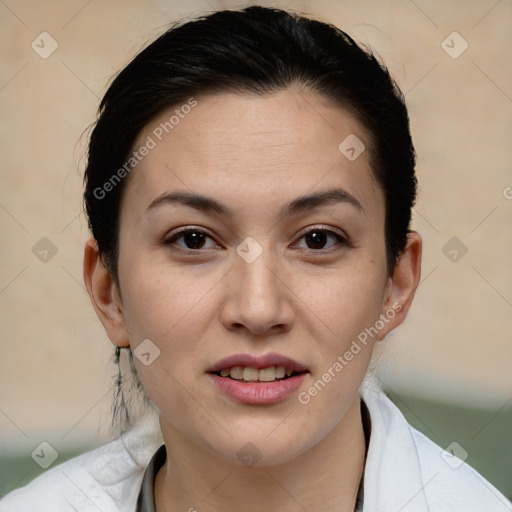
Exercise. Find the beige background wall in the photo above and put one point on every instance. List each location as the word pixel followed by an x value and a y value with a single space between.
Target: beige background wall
pixel 55 362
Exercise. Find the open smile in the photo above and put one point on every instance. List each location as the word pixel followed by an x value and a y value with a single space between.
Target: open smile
pixel 258 380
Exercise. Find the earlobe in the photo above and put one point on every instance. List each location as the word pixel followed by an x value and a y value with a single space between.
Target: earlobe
pixel 104 295
pixel 402 284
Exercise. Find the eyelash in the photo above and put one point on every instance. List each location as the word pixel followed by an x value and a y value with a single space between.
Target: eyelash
pixel 341 241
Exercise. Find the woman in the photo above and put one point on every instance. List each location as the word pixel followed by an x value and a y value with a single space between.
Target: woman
pixel 249 189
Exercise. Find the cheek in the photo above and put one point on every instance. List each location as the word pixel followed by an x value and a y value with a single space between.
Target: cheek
pixel 345 304
pixel 159 299
pixel 172 307
pixel 344 301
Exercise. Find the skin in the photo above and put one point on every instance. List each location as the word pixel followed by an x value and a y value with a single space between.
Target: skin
pixel 254 154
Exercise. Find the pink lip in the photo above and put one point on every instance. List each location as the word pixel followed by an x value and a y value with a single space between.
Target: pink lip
pixel 270 359
pixel 258 393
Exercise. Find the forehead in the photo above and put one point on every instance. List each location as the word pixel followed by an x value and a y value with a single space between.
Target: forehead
pixel 243 147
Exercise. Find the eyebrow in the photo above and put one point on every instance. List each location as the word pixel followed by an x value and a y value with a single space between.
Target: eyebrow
pixel 197 201
pixel 327 197
pixel 301 204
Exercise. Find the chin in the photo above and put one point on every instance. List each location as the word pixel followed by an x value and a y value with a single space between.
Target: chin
pixel 261 447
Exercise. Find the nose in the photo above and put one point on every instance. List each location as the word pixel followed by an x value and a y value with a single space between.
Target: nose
pixel 258 298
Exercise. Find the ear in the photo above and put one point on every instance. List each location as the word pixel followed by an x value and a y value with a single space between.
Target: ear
pixel 402 285
pixel 104 295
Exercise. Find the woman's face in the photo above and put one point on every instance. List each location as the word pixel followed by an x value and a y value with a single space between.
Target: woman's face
pixel 283 267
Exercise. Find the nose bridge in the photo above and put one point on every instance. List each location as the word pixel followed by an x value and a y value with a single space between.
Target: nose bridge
pixel 257 298
pixel 255 275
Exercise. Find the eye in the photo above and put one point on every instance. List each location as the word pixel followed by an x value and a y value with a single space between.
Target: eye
pixel 191 239
pixel 319 238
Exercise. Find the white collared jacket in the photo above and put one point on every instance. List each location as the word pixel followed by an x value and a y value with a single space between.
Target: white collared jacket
pixel 404 472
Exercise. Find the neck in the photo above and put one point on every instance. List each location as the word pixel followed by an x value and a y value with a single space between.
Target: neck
pixel 325 477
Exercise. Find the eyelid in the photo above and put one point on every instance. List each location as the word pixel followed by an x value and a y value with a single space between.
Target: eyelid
pixel 323 227
pixel 342 239
pixel 170 238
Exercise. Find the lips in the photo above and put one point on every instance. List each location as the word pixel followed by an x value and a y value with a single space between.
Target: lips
pixel 258 379
pixel 248 368
pixel 258 362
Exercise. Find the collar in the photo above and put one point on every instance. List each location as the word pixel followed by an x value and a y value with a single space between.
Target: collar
pixel 393 477
pixel 146 498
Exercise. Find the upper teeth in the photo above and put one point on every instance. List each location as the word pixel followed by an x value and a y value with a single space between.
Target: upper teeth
pixel 250 374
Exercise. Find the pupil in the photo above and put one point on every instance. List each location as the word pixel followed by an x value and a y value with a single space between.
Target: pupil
pixel 316 240
pixel 194 240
